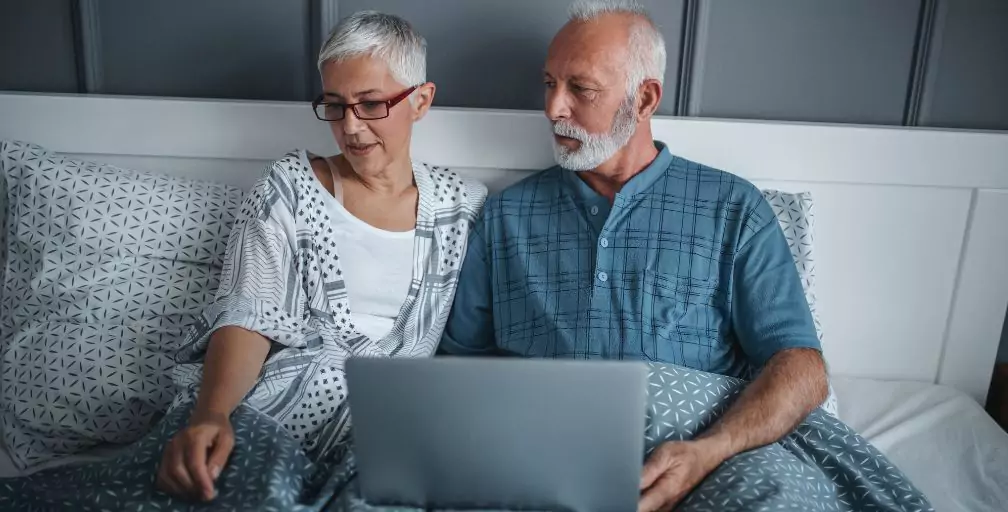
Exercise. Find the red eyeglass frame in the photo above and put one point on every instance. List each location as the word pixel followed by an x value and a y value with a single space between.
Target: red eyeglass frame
pixel 353 106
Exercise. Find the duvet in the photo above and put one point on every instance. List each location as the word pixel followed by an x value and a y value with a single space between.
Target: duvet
pixel 822 465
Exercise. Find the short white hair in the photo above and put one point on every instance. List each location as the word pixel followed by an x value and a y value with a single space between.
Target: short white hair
pixel 646 46
pixel 385 36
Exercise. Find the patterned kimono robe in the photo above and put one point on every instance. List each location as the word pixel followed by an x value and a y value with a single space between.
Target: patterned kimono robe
pixel 282 278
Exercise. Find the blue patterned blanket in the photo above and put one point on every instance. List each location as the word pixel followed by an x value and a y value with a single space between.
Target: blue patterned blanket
pixel 822 465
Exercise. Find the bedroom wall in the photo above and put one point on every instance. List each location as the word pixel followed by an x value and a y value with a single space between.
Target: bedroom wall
pixel 938 63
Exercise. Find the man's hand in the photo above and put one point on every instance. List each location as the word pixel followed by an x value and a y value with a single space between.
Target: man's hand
pixel 791 385
pixel 672 471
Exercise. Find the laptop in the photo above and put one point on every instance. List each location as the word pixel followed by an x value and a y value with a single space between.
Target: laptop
pixel 518 434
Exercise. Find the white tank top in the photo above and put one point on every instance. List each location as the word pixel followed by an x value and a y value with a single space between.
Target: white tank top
pixel 377 267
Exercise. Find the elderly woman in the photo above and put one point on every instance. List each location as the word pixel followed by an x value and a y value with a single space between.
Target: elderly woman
pixel 330 257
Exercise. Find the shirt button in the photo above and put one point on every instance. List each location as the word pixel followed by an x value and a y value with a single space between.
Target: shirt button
pixel 602 276
pixel 604 242
pixel 594 210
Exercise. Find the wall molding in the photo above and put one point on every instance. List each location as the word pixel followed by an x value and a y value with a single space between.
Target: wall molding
pixel 323 15
pixel 921 57
pixel 700 19
pixel 89 48
pixel 686 55
pixel 328 18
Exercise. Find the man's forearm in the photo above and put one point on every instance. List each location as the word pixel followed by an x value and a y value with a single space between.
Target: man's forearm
pixel 792 384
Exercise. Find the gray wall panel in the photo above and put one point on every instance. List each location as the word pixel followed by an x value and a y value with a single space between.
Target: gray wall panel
pixel 37 46
pixel 966 83
pixel 804 60
pixel 491 54
pixel 256 49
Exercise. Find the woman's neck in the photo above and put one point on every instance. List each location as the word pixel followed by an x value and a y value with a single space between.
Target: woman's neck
pixel 394 180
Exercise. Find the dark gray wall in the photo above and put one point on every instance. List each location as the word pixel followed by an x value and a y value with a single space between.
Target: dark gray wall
pixel 967 67
pixel 937 63
pixel 479 59
pixel 37 46
pixel 941 63
pixel 247 49
pixel 804 60
pixel 1003 351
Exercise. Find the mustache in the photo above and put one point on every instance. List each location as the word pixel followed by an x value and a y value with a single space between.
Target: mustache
pixel 570 130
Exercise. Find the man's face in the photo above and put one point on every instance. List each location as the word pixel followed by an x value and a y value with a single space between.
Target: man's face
pixel 586 92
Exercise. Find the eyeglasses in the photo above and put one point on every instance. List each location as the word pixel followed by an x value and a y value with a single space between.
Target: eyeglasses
pixel 364 110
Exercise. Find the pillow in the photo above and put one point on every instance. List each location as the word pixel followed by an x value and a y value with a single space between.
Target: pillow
pixel 104 270
pixel 3 229
pixel 795 214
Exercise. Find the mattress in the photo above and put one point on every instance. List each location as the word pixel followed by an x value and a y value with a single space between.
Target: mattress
pixel 938 436
pixel 944 441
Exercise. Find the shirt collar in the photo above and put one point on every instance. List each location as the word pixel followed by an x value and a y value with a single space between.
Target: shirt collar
pixel 640 182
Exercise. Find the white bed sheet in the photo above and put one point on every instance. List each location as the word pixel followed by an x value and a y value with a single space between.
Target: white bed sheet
pixel 948 446
pixel 943 440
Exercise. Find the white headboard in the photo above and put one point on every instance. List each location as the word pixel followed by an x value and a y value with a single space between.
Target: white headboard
pixel 911 224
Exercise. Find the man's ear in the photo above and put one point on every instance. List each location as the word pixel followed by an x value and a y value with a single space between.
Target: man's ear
pixel 649 96
pixel 423 99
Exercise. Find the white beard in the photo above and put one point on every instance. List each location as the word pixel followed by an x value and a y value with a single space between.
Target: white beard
pixel 595 149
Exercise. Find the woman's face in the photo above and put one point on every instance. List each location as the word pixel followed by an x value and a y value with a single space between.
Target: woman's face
pixel 372 146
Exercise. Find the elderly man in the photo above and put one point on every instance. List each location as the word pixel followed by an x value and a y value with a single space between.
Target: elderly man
pixel 625 251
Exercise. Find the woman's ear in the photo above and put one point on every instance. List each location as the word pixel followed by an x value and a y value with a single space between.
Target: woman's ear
pixel 423 98
pixel 649 97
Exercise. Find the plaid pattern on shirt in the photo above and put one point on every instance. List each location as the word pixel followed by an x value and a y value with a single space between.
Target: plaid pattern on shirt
pixel 688 266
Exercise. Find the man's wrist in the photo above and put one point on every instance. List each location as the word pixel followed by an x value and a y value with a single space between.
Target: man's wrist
pixel 716 445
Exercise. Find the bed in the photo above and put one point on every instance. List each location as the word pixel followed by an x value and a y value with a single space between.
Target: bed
pixel 912 284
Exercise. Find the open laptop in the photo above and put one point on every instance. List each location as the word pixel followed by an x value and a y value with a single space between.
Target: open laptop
pixel 499 433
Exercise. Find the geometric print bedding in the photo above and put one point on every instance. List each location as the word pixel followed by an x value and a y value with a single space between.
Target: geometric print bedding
pixel 103 271
pixel 796 215
pixel 822 466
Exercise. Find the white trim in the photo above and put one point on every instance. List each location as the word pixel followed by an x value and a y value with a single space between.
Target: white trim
pixel 978 310
pixel 910 239
pixel 777 151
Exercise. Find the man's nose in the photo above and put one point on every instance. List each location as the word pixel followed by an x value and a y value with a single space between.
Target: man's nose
pixel 557 105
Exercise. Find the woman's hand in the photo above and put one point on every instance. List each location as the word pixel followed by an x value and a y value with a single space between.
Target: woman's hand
pixel 195 456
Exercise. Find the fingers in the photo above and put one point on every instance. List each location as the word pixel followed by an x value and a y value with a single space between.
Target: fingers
pixel 220 452
pixel 192 461
pixel 655 466
pixel 165 483
pixel 661 496
pixel 196 464
pixel 173 477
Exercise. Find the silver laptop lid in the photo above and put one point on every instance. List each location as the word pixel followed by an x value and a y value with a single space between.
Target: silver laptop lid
pixel 512 433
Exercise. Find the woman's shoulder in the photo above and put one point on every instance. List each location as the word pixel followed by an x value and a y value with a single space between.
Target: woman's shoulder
pixel 452 188
pixel 288 177
pixel 293 172
pixel 295 164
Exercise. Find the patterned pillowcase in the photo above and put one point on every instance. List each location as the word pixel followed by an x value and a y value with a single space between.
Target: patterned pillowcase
pixel 795 214
pixel 105 269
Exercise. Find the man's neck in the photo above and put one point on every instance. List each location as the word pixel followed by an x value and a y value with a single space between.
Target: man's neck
pixel 610 177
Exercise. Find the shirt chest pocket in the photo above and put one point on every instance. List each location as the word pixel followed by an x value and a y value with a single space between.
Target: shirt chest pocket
pixel 679 309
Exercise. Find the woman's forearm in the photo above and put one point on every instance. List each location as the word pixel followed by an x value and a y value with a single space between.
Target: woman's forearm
pixel 233 362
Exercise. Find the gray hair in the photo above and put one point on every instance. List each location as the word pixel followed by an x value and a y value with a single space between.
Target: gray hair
pixel 646 46
pixel 387 37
